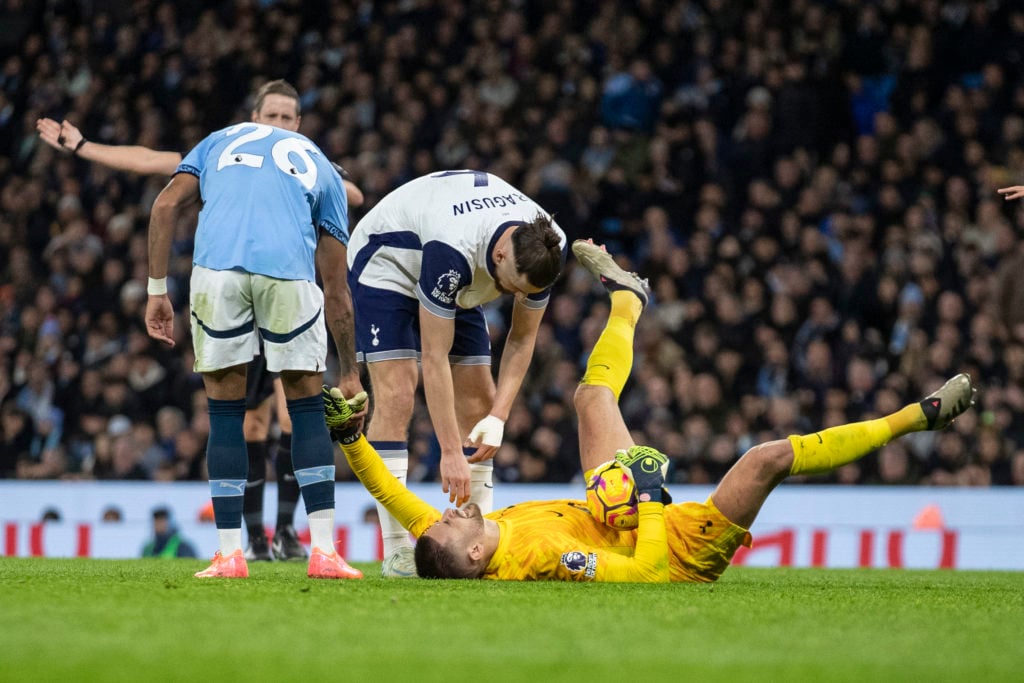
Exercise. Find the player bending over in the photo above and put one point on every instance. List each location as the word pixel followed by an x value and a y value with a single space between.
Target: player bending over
pixel 561 540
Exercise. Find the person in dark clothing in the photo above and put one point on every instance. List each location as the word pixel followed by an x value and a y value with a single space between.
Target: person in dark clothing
pixel 167 541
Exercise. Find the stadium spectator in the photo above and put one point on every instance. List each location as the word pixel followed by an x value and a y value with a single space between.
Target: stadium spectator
pixel 917 165
pixel 16 446
pixel 51 515
pixel 112 514
pixel 167 541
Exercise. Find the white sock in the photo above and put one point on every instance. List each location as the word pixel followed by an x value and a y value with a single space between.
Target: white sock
pixel 321 530
pixel 230 540
pixel 393 534
pixel 481 486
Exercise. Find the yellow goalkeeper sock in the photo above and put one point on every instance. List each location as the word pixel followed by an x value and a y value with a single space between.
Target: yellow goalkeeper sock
pixel 625 304
pixel 832 448
pixel 611 360
pixel 907 419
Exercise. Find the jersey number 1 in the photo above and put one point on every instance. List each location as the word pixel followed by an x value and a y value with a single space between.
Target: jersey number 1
pixel 479 177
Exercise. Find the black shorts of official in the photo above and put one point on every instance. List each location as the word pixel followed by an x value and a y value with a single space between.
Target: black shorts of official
pixel 259 382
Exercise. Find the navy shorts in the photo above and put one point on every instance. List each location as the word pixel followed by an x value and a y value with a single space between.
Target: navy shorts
pixel 259 382
pixel 388 328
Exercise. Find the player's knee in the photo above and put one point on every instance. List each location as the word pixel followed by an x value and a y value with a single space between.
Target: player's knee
pixel 772 459
pixel 588 394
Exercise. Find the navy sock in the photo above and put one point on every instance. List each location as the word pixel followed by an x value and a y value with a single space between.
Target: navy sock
pixel 312 453
pixel 287 486
pixel 252 508
pixel 227 461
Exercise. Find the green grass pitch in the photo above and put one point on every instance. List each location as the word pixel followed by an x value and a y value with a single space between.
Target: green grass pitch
pixel 149 620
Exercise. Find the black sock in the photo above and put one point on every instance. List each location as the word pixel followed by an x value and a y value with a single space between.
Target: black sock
pixel 287 485
pixel 252 506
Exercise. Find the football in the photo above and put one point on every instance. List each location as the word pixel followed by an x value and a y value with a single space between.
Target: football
pixel 611 496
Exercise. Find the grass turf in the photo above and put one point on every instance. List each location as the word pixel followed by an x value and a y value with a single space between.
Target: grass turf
pixel 103 620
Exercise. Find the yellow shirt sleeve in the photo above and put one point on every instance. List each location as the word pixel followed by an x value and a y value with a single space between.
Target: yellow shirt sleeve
pixel 559 540
pixel 649 564
pixel 408 508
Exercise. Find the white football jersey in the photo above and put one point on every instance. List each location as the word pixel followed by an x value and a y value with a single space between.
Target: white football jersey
pixel 432 239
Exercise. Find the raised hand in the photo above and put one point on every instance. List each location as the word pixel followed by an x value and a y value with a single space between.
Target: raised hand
pixel 62 136
pixel 648 467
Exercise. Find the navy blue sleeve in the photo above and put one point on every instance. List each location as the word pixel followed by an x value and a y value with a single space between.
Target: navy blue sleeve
pixel 444 271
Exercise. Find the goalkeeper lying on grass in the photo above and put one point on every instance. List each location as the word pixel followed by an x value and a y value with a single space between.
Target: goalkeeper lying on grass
pixel 561 540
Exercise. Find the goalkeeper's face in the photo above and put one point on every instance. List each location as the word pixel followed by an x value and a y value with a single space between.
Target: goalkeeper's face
pixel 459 527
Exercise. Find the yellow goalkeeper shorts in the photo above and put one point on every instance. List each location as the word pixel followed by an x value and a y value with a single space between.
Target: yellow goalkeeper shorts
pixel 701 541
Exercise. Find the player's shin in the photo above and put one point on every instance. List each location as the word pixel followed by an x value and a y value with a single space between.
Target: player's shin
pixel 611 360
pixel 252 510
pixel 395 455
pixel 832 448
pixel 228 465
pixel 287 486
pixel 313 459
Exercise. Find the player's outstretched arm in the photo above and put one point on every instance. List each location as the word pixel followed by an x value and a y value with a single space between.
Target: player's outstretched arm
pixel 411 512
pixel 355 195
pixel 67 138
pixel 1012 192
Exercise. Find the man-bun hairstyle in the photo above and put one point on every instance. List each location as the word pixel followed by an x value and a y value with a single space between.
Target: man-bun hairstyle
pixel 538 250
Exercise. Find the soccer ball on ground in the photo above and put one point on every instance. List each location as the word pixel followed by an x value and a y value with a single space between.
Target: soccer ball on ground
pixel 611 496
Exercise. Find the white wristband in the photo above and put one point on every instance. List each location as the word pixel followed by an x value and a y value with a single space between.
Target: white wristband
pixel 157 286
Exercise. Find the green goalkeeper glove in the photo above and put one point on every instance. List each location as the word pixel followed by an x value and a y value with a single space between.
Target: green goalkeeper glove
pixel 648 466
pixel 338 412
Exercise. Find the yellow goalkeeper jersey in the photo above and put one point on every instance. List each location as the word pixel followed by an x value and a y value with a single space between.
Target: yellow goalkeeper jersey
pixel 560 539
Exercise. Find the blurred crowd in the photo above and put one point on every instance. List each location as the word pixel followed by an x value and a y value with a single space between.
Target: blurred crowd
pixel 808 185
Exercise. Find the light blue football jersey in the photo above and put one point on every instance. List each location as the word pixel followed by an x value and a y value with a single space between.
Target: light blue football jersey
pixel 266 194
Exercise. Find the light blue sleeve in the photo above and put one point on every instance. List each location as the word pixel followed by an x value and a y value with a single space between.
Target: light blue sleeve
pixel 195 161
pixel 330 212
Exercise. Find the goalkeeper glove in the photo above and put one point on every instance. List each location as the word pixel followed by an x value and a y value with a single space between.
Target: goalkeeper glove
pixel 338 413
pixel 648 467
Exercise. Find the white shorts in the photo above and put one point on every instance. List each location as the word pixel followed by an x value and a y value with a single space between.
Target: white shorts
pixel 232 310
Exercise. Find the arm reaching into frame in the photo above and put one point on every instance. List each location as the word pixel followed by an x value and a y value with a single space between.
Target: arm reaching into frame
pixel 67 138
